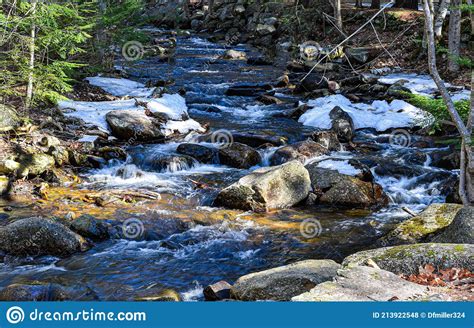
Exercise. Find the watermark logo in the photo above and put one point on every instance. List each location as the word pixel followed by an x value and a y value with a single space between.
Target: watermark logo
pixel 133 229
pixel 133 50
pixel 400 138
pixel 15 315
pixel 311 228
pixel 223 138
pixel 310 50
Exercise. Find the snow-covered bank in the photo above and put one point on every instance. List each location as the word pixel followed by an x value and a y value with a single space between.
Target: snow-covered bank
pixel 379 115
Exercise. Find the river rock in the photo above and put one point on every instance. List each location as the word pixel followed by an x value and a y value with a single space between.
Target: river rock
pixel 201 153
pixel 327 139
pixel 418 229
pixel 4 183
pixel 8 166
pixel 363 283
pixel 134 124
pixel 9 118
pixel 461 229
pixel 167 295
pixel 239 156
pixel 38 236
pixel 313 82
pixel 342 124
pixel 258 139
pixel 265 29
pixel 218 291
pixel 89 227
pixel 267 188
pixel 283 283
pixel 339 189
pixel 300 151
pixel 407 259
pixel 45 293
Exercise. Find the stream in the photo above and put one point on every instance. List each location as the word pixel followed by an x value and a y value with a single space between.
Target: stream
pixel 189 255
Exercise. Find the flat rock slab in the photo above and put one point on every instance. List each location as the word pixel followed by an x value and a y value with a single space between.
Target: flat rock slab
pixel 363 283
pixel 406 259
pixel 283 283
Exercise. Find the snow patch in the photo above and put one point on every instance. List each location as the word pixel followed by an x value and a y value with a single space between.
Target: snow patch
pixel 171 105
pixel 379 115
pixel 121 87
pixel 342 167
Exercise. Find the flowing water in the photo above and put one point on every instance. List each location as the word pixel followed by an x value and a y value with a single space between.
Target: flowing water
pixel 187 255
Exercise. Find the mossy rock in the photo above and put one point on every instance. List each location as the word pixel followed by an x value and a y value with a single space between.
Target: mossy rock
pixel 35 164
pixel 407 259
pixel 433 219
pixel 461 230
pixel 3 184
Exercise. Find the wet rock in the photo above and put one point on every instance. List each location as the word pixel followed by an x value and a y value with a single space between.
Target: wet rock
pixel 283 81
pixel 386 168
pixel 35 164
pixel 267 188
pixel 45 293
pixel 259 61
pixel 344 190
pixel 269 100
pixel 283 283
pixel 313 82
pixel 342 124
pixel 167 295
pixel 361 55
pixel 363 283
pixel 38 236
pixel 296 112
pixel 407 259
pixel 201 153
pixel 9 118
pixel 418 229
pixel 169 163
pixel 218 291
pixel 234 55
pixel 258 139
pixel 327 139
pixel 239 156
pixel 461 229
pixel 445 159
pixel 89 227
pixel 134 124
pixel 300 151
pixel 397 90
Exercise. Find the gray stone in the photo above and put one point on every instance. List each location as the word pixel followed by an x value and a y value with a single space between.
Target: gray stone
pixel 300 151
pixel 362 283
pixel 267 188
pixel 461 229
pixel 134 124
pixel 88 226
pixel 239 156
pixel 38 236
pixel 283 283
pixel 9 118
pixel 201 153
pixel 342 124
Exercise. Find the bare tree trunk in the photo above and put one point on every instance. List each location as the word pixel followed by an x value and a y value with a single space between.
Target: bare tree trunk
pixel 454 36
pixel 467 164
pixel 31 67
pixel 440 16
pixel 337 13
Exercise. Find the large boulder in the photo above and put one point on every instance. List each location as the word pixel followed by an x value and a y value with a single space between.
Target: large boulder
pixel 337 189
pixel 283 283
pixel 201 153
pixel 418 229
pixel 300 151
pixel 40 292
pixel 239 156
pixel 134 124
pixel 327 139
pixel 342 124
pixel 363 283
pixel 38 236
pixel 9 118
pixel 407 259
pixel 267 188
pixel 461 229
pixel 258 139
pixel 313 82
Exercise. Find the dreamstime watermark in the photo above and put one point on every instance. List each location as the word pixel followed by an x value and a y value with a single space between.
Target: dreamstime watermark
pixel 400 138
pixel 310 51
pixel 133 228
pixel 15 315
pixel 133 51
pixel 223 138
pixel 311 228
